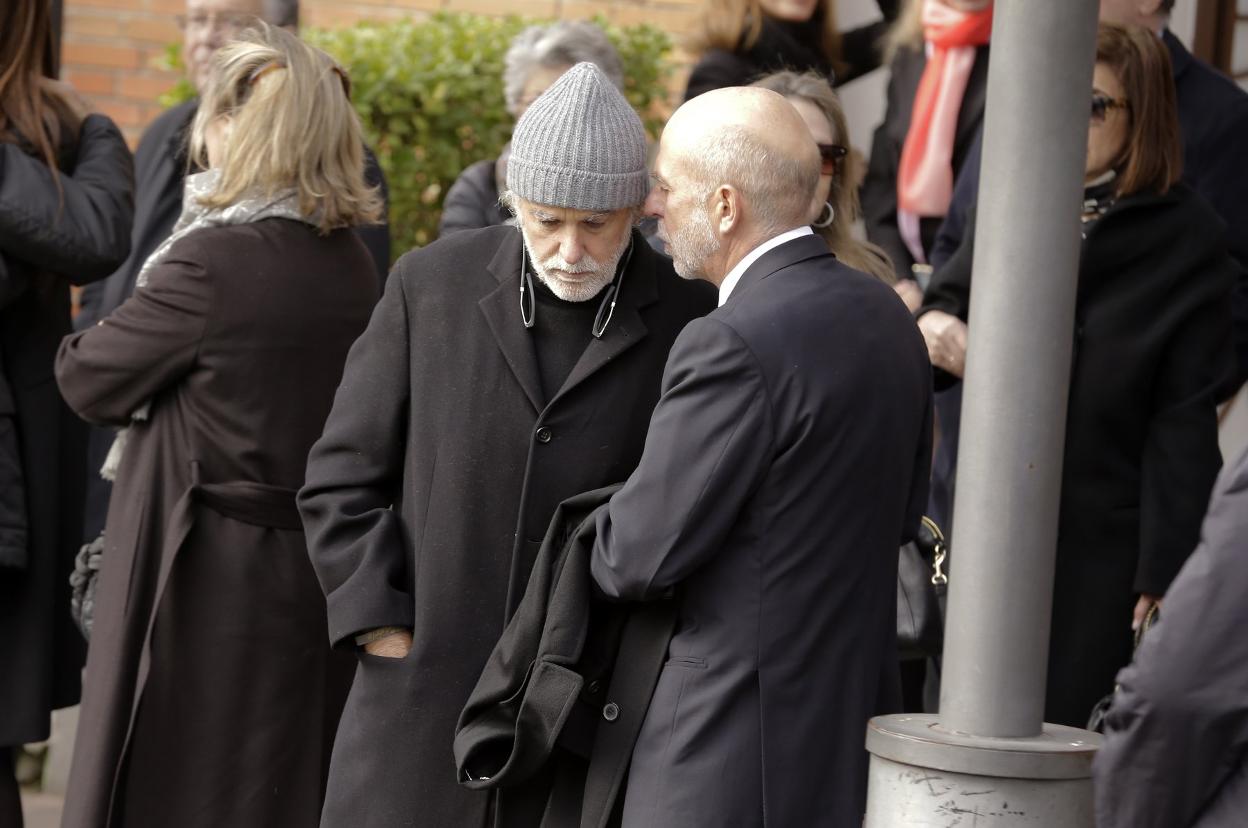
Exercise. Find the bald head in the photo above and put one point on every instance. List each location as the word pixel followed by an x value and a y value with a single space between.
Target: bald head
pixel 754 141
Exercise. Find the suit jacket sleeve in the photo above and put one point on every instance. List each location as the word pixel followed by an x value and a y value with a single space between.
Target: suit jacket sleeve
pixel 708 446
pixel 1179 722
pixel 1181 455
pixel 84 233
pixel 152 340
pixel 354 475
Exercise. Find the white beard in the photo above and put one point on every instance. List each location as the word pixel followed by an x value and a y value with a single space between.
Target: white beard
pixel 596 275
pixel 692 245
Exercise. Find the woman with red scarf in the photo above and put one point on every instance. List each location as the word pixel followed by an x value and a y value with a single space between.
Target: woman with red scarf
pixel 939 63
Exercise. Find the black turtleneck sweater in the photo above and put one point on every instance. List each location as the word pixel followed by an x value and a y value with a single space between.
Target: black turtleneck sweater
pixel 560 332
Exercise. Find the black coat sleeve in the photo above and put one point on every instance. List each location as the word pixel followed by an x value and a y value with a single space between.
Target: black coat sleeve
pixel 717 69
pixel 709 443
pixel 1181 455
pixel 879 189
pixel 1178 726
pixel 354 473
pixel 84 233
pixel 860 50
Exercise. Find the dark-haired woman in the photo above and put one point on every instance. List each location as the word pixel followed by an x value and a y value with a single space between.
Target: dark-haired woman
pixel 1152 343
pixel 65 212
pixel 740 41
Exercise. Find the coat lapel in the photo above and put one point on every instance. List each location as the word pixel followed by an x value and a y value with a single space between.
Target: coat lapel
pixel 626 328
pixel 502 311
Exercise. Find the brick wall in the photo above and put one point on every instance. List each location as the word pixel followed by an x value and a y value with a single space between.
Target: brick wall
pixel 110 45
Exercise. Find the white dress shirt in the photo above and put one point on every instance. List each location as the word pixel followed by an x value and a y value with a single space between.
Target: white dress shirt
pixel 734 275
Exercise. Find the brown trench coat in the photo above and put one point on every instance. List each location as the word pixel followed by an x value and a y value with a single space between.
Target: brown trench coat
pixel 211 697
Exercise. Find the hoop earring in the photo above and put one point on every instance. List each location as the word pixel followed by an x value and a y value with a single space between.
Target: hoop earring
pixel 820 221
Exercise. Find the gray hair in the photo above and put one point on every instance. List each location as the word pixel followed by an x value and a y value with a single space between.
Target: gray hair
pixel 778 188
pixel 281 13
pixel 565 43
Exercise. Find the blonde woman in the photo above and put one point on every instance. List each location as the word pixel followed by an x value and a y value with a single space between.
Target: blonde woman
pixel 739 41
pixel 835 208
pixel 211 694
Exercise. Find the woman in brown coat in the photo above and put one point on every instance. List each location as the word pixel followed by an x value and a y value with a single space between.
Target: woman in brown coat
pixel 211 694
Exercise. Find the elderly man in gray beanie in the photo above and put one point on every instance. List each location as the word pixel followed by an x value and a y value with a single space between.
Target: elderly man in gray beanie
pixel 505 370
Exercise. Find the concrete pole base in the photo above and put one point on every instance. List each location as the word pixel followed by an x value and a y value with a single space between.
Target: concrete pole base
pixel 924 777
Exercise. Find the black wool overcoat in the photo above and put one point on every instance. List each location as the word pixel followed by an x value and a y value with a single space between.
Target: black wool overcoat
pixel 52 239
pixel 1152 343
pixel 441 415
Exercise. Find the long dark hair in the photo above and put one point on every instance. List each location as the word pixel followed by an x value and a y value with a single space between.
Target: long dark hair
pixel 27 112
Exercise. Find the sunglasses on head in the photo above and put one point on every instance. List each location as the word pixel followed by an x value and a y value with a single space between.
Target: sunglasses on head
pixel 829 154
pixel 1101 104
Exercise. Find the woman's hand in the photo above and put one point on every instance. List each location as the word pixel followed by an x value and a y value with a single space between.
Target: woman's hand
pixel 910 293
pixel 945 335
pixel 1142 606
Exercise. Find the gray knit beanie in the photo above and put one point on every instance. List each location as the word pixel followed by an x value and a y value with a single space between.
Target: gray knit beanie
pixel 580 145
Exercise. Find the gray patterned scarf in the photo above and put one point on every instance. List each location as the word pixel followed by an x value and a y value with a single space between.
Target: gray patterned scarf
pixel 195 216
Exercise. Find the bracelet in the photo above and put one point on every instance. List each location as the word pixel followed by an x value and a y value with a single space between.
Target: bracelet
pixel 364 639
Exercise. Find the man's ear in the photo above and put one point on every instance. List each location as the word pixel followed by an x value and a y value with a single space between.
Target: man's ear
pixel 726 208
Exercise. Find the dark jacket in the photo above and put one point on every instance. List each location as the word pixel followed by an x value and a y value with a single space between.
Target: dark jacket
pixel 161 165
pixel 14 554
pixel 1213 115
pixel 1175 753
pixel 441 414
pixel 1152 341
pixel 552 721
pixel 782 45
pixel 211 696
pixel 472 201
pixel 879 190
pixel 74 236
pixel 786 461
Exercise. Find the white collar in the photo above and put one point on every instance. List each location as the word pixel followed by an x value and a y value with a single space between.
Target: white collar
pixel 734 275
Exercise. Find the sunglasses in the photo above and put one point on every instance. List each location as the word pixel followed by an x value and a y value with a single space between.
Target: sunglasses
pixel 1101 104
pixel 829 155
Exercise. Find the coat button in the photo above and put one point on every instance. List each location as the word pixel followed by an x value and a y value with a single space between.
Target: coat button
pixel 543 435
pixel 611 711
pixel 593 688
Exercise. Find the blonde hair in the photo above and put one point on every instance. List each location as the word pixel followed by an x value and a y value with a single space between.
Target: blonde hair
pixel 731 25
pixel 292 126
pixel 860 255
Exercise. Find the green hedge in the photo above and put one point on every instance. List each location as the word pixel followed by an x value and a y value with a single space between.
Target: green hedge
pixel 430 95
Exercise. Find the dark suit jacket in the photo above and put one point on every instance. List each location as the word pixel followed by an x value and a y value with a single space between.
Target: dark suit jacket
pixel 1152 346
pixel 879 190
pixel 441 416
pixel 786 462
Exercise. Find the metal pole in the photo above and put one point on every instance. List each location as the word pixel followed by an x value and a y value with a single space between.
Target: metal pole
pixel 988 753
pixel 1018 367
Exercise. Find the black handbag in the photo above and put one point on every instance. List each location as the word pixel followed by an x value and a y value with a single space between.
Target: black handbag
pixel 921 587
pixel 1096 721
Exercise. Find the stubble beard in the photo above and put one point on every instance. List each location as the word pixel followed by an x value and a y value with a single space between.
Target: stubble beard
pixel 691 245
